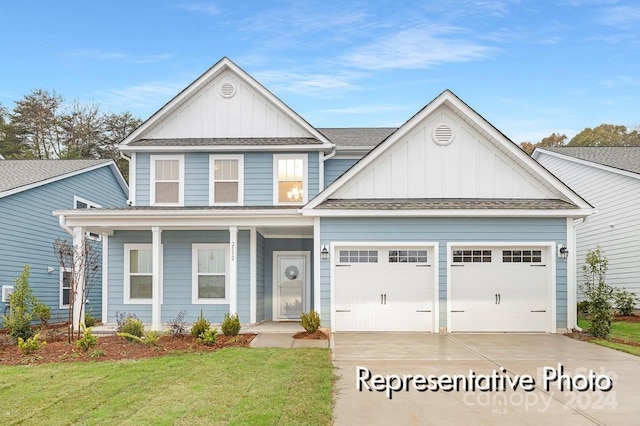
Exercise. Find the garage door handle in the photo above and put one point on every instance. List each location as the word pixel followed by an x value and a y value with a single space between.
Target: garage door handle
pixel 343 310
pixel 383 299
pixel 542 310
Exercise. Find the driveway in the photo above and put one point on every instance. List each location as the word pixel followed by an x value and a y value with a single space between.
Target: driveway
pixel 475 356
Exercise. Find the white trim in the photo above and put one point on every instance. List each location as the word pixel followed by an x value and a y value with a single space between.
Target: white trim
pixel 240 159
pixel 449 213
pixel 225 148
pixel 133 166
pixel 572 314
pixel 320 171
pixel 593 164
pixel 80 284
pixel 112 164
pixel 551 295
pixel 90 205
pixel 194 274
pixel 157 277
pixel 60 289
pixel 233 270
pixel 127 275
pixel 432 245
pixel 105 278
pixel 152 179
pixel 274 283
pixel 317 276
pixel 253 277
pixel 305 179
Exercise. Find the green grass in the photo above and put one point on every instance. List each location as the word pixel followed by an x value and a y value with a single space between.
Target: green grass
pixel 230 386
pixel 629 331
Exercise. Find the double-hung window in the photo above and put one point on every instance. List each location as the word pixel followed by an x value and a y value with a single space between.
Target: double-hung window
pixel 138 273
pixel 226 180
pixel 167 180
pixel 65 286
pixel 290 179
pixel 210 283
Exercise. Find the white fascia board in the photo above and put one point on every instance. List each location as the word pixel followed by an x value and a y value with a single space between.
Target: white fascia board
pixel 449 213
pixel 111 164
pixel 225 148
pixel 593 164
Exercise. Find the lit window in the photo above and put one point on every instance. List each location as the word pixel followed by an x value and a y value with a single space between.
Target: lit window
pixel 227 180
pixel 210 284
pixel 138 273
pixel 290 173
pixel 167 185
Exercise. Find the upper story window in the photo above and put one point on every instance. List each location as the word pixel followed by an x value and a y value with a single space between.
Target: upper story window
pixel 81 203
pixel 167 180
pixel 290 179
pixel 226 179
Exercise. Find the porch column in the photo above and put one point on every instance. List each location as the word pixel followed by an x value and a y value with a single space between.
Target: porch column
pixel 253 278
pixel 316 266
pixel 156 274
pixel 233 270
pixel 78 275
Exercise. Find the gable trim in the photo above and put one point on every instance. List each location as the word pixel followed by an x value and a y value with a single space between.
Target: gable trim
pixel 541 151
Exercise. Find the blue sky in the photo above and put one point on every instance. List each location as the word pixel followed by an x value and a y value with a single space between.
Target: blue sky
pixel 529 67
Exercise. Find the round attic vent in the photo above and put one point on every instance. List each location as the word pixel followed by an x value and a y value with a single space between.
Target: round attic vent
pixel 442 135
pixel 227 90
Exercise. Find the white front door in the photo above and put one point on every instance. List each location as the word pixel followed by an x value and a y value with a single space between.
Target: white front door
pixel 291 280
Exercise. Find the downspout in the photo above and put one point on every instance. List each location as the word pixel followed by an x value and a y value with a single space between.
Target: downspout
pixel 577 223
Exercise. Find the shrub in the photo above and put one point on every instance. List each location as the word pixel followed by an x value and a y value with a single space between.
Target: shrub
pixel 22 304
pixel 89 321
pixel 30 345
pixel 43 313
pixel 208 337
pixel 200 326
pixel 598 293
pixel 310 321
pixel 583 308
pixel 177 326
pixel 87 341
pixel 97 353
pixel 121 318
pixel 132 327
pixel 625 301
pixel 152 337
pixel 230 325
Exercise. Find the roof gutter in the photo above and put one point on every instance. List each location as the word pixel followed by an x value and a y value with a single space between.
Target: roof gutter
pixel 63 224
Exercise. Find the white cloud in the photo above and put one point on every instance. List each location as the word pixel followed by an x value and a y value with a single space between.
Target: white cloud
pixel 621 80
pixel 365 109
pixel 148 96
pixel 418 48
pixel 101 55
pixel 312 84
pixel 206 8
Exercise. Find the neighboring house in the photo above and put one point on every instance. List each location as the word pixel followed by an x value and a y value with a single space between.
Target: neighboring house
pixel 609 179
pixel 30 190
pixel 239 205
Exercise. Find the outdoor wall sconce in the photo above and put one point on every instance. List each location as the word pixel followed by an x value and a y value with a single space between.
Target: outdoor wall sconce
pixel 324 253
pixel 563 251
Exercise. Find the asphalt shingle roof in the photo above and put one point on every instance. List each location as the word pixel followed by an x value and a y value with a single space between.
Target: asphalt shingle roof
pixel 620 157
pixel 357 136
pixel 446 204
pixel 225 141
pixel 17 173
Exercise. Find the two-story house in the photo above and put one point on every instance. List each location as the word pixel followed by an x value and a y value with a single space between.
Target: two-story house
pixel 240 205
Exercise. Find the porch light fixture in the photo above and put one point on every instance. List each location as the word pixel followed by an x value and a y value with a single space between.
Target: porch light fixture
pixel 324 253
pixel 563 251
pixel 295 194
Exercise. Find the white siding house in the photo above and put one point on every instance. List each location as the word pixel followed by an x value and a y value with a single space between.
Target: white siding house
pixel 609 179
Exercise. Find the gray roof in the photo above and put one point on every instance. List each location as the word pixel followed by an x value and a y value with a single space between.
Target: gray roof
pixel 365 137
pixel 225 141
pixel 446 204
pixel 620 157
pixel 17 173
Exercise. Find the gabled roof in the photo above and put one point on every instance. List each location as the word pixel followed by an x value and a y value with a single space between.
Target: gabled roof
pixel 222 66
pixel 625 158
pixel 483 127
pixel 357 137
pixel 20 175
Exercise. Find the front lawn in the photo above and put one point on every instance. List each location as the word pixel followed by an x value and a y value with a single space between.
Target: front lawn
pixel 625 335
pixel 230 386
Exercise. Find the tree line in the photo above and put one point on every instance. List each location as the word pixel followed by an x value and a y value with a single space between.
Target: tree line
pixel 43 125
pixel 603 135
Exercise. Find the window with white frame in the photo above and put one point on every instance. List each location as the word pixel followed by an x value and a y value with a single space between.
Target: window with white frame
pixel 138 273
pixel 226 179
pixel 210 282
pixel 290 179
pixel 81 203
pixel 167 180
pixel 65 286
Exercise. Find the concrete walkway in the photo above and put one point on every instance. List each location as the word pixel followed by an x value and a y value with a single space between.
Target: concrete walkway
pixel 454 354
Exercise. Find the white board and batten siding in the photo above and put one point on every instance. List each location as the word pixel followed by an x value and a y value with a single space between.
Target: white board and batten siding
pixel 615 227
pixel 209 114
pixel 471 166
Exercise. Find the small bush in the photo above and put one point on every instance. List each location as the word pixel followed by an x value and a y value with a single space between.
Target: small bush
pixel 230 325
pixel 30 345
pixel 43 313
pixel 598 293
pixel 87 341
pixel 177 326
pixel 208 337
pixel 21 312
pixel 97 353
pixel 89 321
pixel 121 318
pixel 583 307
pixel 152 337
pixel 310 321
pixel 200 326
pixel 625 301
pixel 132 327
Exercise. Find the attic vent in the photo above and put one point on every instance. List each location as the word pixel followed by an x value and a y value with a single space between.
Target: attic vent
pixel 227 90
pixel 442 135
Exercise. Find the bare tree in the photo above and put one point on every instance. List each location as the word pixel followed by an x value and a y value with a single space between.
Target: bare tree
pixel 80 263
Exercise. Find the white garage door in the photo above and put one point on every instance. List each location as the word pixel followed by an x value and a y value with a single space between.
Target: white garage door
pixel 384 289
pixel 500 289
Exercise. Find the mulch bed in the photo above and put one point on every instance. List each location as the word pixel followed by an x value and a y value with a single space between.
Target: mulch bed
pixel 111 348
pixel 316 335
pixel 584 336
